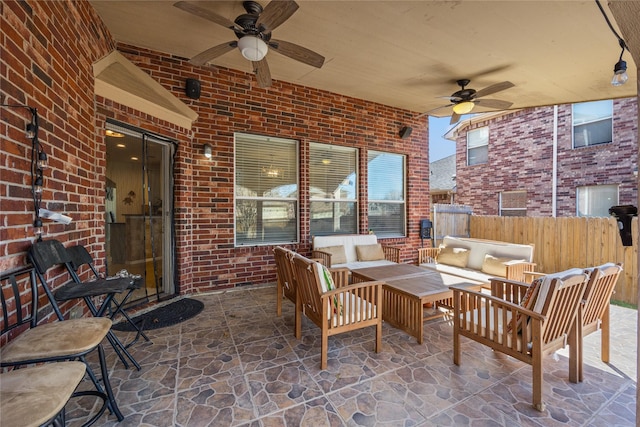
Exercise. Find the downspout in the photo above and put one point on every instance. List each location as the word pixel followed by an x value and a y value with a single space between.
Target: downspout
pixel 554 167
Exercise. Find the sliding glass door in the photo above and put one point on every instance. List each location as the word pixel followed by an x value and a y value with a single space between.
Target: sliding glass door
pixel 139 209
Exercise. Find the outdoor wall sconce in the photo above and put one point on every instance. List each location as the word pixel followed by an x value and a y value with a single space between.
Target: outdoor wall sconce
pixel 208 151
pixel 38 165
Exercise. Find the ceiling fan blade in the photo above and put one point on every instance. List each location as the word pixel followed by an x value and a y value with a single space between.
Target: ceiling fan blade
pixel 494 88
pixel 297 52
pixel 275 13
pixel 207 14
pixel 213 53
pixel 455 117
pixel 498 104
pixel 263 75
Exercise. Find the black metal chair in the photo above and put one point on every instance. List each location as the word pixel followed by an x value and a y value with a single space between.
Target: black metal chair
pixel 28 342
pixel 49 254
pixel 80 257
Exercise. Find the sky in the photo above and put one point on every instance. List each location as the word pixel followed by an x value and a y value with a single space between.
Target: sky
pixel 439 147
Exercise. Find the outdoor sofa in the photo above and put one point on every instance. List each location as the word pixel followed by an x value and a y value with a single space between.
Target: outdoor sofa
pixel 477 259
pixel 353 251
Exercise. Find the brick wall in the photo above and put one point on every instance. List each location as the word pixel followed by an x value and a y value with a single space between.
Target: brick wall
pixel 521 156
pixel 73 125
pixel 47 52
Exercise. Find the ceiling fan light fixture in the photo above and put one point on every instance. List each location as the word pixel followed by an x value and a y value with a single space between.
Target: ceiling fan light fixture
pixel 620 76
pixel 463 107
pixel 252 48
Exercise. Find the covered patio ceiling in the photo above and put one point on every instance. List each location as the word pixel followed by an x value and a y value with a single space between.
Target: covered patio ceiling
pixel 408 54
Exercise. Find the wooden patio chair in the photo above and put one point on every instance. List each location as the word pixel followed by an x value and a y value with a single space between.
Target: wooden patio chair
pixel 594 313
pixel 286 286
pixel 345 308
pixel 524 321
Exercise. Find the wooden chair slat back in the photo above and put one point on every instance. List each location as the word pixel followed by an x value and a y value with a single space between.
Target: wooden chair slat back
pixel 562 305
pixel 284 271
pixel 602 283
pixel 308 286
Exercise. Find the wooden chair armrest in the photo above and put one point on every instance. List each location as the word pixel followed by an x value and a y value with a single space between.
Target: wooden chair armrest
pixel 530 276
pixel 340 276
pixel 517 270
pixel 508 290
pixel 354 287
pixel 343 302
pixel 322 257
pixel 427 255
pixel 477 316
pixel 490 300
pixel 391 253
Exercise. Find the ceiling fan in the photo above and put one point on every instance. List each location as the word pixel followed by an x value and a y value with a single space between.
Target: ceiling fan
pixel 464 100
pixel 253 30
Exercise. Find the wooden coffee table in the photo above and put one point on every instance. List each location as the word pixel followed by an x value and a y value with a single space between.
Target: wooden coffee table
pixel 407 288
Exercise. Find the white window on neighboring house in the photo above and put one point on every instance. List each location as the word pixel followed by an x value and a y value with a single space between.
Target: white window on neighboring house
pixel 266 190
pixel 592 123
pixel 386 178
pixel 595 200
pixel 333 183
pixel 513 203
pixel 478 146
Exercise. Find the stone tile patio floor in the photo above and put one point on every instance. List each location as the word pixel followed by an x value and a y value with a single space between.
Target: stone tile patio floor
pixel 237 364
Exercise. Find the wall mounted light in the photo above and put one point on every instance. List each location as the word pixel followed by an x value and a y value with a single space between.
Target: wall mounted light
pixel 208 151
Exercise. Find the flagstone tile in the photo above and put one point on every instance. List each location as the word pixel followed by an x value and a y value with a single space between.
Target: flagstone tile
pixel 238 364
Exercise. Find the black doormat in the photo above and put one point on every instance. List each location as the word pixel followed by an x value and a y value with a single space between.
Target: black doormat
pixel 168 315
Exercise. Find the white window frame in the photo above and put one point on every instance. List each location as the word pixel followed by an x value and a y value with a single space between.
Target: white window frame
pixel 322 159
pixel 477 143
pixel 575 121
pixel 373 178
pixel 585 195
pixel 258 169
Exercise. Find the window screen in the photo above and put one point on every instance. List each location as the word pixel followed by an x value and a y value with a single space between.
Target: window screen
pixel 478 146
pixel 386 189
pixel 333 189
pixel 266 190
pixel 596 200
pixel 592 123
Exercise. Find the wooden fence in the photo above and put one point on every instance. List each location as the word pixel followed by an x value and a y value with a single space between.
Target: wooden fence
pixel 562 243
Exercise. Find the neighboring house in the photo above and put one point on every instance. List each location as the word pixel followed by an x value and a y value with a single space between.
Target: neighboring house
pixel 565 160
pixel 442 180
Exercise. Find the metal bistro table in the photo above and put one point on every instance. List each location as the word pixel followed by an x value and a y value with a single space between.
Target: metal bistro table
pixel 407 288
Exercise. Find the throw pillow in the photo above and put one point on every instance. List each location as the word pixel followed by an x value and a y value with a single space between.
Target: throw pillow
pixel 370 252
pixel 528 300
pixel 338 255
pixel 496 266
pixel 456 257
pixel 324 277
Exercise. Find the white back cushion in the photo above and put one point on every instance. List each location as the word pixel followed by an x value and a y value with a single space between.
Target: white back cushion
pixel 349 241
pixel 480 248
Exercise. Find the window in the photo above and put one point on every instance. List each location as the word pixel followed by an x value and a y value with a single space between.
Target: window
pixel 332 189
pixel 596 200
pixel 592 123
pixel 513 203
pixel 266 190
pixel 478 146
pixel 386 181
